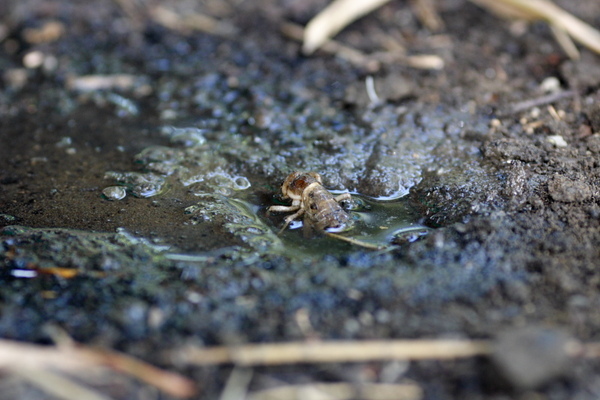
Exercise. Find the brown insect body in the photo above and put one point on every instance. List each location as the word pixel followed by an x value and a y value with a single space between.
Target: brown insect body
pixel 311 200
pixel 323 210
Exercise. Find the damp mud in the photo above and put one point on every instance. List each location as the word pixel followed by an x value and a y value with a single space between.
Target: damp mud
pixel 138 161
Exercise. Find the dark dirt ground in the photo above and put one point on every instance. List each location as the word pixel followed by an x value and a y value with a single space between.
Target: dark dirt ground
pixel 512 219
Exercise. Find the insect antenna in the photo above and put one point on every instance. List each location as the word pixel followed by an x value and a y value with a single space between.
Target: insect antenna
pixel 355 241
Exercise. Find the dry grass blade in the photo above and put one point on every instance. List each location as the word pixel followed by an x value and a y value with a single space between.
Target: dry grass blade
pixel 14 354
pixel 133 12
pixel 547 11
pixel 341 391
pixel 370 62
pixel 585 350
pixel 90 83
pixel 427 14
pixel 339 351
pixel 168 382
pixel 237 385
pixel 335 17
pixel 565 41
pixel 78 359
pixel 332 47
pixel 56 385
pixel 194 21
pixel 341 13
pixel 540 101
pixel 356 242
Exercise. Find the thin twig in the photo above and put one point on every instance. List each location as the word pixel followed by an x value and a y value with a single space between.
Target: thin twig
pixel 340 13
pixel 341 391
pixel 193 21
pixel 335 17
pixel 133 12
pixel 426 12
pixel 332 47
pixel 237 384
pixel 371 62
pixel 325 352
pixel 56 385
pixel 585 350
pixel 89 83
pixel 540 101
pixel 80 359
pixel 356 242
pixel 565 41
pixel 168 382
pixel 547 11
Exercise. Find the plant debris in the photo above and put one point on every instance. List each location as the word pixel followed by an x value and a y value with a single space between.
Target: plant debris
pixel 340 13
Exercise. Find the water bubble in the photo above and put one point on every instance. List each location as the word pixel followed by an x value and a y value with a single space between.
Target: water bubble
pixel 114 193
pixel 65 141
pixel 220 179
pixel 140 184
pixel 223 190
pixel 163 168
pixel 241 182
pixel 188 178
pixel 255 230
pixel 125 107
pixel 159 154
pixel 187 137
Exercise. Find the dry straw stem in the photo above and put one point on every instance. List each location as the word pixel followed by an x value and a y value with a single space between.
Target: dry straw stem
pixel 332 47
pixel 560 20
pixel 133 12
pixel 90 83
pixel 56 385
pixel 335 351
pixel 341 391
pixel 192 22
pixel 426 12
pixel 371 62
pixel 18 357
pixel 335 17
pixel 540 101
pixel 340 13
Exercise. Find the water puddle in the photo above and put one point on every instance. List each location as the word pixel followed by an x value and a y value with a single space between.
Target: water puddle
pixel 377 223
pixel 228 205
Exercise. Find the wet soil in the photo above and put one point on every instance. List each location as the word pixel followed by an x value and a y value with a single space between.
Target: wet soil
pixel 482 179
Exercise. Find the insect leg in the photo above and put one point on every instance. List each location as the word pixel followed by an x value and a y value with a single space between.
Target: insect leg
pixel 283 208
pixel 290 218
pixel 343 197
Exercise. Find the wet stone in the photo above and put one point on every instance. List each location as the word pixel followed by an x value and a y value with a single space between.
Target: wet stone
pixel 530 357
pixel 187 136
pixel 593 143
pixel 218 181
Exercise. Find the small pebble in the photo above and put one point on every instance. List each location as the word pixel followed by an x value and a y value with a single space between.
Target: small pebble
pixel 114 193
pixel 557 141
pixel 532 356
pixel 550 85
pixel 567 190
pixel 65 141
pixel 33 59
